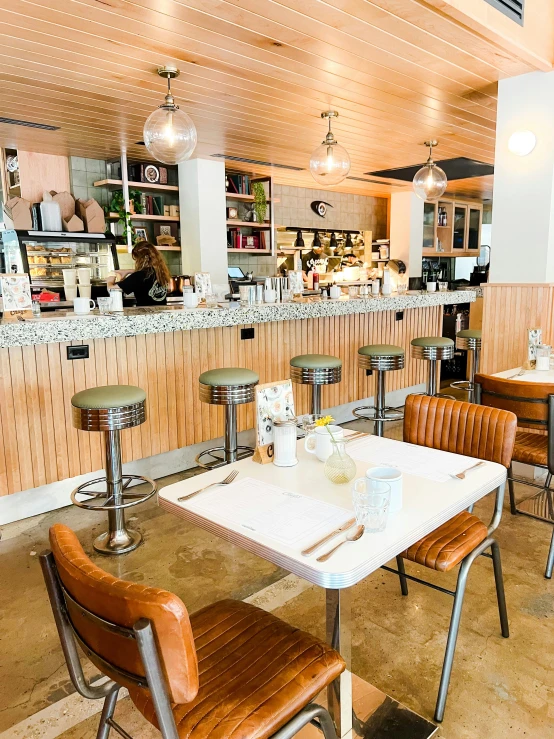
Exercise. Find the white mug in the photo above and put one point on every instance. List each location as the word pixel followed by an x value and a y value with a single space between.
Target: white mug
pixel 117 299
pixel 431 287
pixel 335 291
pixel 392 477
pixel 319 441
pixel 190 300
pixel 83 305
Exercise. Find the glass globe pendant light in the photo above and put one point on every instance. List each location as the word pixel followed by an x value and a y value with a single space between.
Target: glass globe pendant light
pixel 330 163
pixel 430 181
pixel 169 134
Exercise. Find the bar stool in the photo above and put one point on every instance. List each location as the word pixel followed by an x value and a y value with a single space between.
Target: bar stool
pixel 110 409
pixel 316 370
pixel 434 349
pixel 230 387
pixel 380 358
pixel 470 340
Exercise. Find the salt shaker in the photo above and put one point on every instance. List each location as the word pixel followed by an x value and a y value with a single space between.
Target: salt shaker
pixel 284 442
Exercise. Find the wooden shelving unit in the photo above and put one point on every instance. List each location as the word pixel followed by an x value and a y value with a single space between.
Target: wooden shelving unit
pixel 250 251
pixel 248 198
pixel 249 224
pixel 461 237
pixel 137 185
pixel 267 226
pixel 145 217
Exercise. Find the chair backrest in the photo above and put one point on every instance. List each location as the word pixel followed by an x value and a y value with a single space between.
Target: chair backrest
pixel 124 603
pixel 462 428
pixel 528 400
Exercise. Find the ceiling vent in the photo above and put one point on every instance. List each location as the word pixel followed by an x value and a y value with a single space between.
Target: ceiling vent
pixel 459 168
pixel 259 163
pixel 511 8
pixel 15 122
pixel 373 182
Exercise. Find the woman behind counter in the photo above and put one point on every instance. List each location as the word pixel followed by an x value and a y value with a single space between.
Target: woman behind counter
pixel 150 278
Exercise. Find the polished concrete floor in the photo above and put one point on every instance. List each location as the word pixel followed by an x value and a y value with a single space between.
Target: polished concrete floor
pixel 500 688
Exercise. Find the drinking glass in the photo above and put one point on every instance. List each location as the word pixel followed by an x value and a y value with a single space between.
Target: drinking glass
pixel 371 500
pixel 353 291
pixel 104 304
pixel 443 287
pixel 286 296
pixel 211 300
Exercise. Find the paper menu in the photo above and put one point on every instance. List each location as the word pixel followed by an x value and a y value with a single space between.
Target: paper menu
pixel 412 459
pixel 289 518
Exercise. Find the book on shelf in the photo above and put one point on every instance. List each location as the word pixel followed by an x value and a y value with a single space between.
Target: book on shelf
pixel 239 183
pixel 237 240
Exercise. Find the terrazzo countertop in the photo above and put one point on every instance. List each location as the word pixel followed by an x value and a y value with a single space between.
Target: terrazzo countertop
pixel 66 326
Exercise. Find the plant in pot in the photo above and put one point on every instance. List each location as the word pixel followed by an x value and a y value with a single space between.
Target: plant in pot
pixel 260 201
pixel 117 205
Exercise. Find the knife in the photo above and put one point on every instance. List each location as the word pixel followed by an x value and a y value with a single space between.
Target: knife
pixel 326 538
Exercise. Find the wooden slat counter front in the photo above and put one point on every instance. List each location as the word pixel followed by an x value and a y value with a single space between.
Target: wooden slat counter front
pixel 38 444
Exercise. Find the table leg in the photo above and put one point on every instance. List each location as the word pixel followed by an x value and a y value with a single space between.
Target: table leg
pixel 338 634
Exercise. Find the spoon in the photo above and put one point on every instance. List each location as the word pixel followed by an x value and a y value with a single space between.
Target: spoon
pixel 354 536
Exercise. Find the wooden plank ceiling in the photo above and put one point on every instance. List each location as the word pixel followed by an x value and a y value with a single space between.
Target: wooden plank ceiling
pixel 255 76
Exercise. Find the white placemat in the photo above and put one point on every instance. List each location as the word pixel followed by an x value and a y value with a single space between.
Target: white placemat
pixel 289 518
pixel 421 461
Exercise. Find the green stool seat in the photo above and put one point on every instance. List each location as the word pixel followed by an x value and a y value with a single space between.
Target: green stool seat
pixel 469 333
pixel 228 377
pixel 381 350
pixel 316 361
pixel 432 341
pixel 108 396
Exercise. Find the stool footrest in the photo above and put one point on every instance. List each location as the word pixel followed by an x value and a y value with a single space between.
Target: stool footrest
pixel 466 385
pixel 242 453
pixel 369 412
pixel 102 500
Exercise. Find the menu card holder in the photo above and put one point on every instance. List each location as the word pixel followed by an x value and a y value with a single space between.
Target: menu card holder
pixel 16 297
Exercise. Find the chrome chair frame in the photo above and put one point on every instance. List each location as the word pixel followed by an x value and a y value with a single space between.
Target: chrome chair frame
pixel 544 499
pixel 118 539
pixel 458 594
pixel 316 378
pixel 433 354
pixel 473 348
pixel 154 680
pixel 379 413
pixel 229 396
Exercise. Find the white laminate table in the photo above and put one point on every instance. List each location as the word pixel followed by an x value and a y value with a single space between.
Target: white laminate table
pixel 546 376
pixel 426 505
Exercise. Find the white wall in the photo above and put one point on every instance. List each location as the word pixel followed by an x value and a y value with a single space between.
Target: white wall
pixel 406 230
pixel 203 218
pixel 522 244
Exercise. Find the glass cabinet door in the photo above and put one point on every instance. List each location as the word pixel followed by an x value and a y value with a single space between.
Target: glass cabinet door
pixel 459 236
pixel 429 218
pixel 474 229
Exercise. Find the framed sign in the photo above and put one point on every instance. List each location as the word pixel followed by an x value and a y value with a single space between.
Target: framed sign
pixel 16 296
pixel 273 400
pixel 202 284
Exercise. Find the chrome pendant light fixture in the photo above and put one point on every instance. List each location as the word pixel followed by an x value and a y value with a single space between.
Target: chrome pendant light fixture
pixel 169 133
pixel 330 163
pixel 430 181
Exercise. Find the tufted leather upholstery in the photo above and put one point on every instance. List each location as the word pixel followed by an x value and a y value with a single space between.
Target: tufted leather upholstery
pixel 234 671
pixel 124 603
pixel 531 448
pixel 256 673
pixel 445 547
pixel 459 427
pixel 522 398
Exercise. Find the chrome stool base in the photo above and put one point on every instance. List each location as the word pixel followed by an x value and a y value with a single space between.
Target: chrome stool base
pixel 241 452
pixel 380 364
pixel 368 413
pixel 465 385
pixel 117 542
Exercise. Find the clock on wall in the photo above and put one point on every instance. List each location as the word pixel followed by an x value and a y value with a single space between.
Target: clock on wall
pixel 320 207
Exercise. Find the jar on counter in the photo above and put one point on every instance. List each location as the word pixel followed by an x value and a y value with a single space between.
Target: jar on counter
pixel 284 442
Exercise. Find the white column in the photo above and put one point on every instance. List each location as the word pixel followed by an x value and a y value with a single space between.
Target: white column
pixel 522 244
pixel 203 218
pixel 406 230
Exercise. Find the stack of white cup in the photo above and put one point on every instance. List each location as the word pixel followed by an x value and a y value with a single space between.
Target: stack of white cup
pixel 70 284
pixel 83 275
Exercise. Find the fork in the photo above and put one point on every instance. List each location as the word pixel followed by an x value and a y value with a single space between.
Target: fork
pixel 517 374
pixel 462 475
pixel 227 481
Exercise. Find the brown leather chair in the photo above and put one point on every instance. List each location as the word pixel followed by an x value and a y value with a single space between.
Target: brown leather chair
pixel 484 433
pixel 231 670
pixel 533 404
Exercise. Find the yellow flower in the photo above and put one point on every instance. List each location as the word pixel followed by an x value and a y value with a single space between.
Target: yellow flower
pixel 325 421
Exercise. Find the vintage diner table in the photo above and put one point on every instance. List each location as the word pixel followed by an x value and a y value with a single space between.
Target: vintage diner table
pixel 426 505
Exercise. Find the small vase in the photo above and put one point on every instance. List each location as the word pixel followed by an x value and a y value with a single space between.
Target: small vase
pixel 339 467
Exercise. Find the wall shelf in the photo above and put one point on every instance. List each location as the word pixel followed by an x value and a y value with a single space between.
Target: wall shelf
pixel 137 185
pixel 123 249
pixel 145 217
pixel 249 198
pixel 249 224
pixel 250 251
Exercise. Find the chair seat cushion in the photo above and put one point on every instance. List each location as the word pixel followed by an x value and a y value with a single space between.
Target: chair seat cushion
pixel 108 396
pixel 316 361
pixel 256 673
pixel 445 547
pixel 229 376
pixel 432 341
pixel 381 350
pixel 530 448
pixel 470 333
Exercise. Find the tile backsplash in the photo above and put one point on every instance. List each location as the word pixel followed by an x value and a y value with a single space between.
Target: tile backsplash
pixel 83 173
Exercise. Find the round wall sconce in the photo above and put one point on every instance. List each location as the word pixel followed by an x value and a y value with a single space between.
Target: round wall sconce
pixel 522 143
